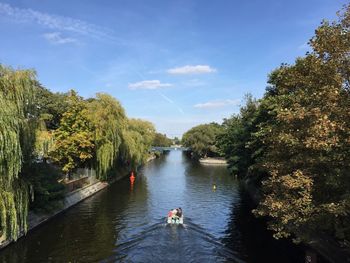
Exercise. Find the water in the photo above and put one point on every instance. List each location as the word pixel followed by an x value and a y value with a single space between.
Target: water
pixel 126 223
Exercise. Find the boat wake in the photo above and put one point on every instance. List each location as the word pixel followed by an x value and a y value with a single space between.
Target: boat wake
pixel 186 242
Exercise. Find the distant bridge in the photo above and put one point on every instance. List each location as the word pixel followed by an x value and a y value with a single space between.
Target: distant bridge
pixel 172 148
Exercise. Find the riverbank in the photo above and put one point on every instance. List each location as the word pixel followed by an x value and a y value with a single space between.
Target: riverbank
pixel 70 199
pixel 213 161
pixel 319 247
pixel 152 157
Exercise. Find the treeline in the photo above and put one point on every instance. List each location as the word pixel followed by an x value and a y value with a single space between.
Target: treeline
pixel 201 140
pixel 294 143
pixel 44 135
pixel 161 140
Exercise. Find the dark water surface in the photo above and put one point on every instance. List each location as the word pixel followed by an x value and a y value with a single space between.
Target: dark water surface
pixel 127 224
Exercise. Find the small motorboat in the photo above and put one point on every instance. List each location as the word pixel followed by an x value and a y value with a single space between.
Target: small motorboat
pixel 174 218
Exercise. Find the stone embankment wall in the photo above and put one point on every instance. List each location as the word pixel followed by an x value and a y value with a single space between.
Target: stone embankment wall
pixel 71 199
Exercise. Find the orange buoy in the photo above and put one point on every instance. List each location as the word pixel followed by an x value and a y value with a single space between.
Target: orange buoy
pixel 132 177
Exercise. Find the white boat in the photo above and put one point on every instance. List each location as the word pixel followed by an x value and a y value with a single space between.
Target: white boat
pixel 175 220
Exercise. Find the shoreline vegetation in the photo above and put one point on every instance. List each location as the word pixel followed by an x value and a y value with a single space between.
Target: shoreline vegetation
pixel 291 147
pixel 55 143
pixel 70 199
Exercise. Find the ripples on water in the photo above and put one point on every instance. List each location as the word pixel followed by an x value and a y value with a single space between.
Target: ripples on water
pixel 127 224
pixel 172 243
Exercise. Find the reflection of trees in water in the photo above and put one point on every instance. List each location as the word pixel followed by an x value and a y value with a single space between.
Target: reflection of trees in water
pixel 86 233
pixel 249 237
pixel 104 220
pixel 208 175
pixel 112 223
pixel 157 163
pixel 245 234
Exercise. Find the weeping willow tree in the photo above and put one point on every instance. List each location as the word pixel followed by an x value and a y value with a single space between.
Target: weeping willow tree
pixel 44 141
pixel 17 136
pixel 137 141
pixel 108 119
pixel 131 148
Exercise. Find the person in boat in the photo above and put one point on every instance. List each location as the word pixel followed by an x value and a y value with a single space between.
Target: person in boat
pixel 174 211
pixel 179 212
pixel 173 215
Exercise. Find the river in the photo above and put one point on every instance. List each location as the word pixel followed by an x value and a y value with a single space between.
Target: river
pixel 126 223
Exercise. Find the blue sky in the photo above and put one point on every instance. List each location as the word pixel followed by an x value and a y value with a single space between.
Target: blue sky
pixel 175 63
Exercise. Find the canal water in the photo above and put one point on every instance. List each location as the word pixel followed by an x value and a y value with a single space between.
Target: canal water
pixel 126 223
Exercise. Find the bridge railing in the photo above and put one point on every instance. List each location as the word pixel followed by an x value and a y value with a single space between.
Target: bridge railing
pixel 180 148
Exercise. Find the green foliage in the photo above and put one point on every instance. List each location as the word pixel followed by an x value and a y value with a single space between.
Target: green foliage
pixel 145 129
pixel 48 193
pixel 237 141
pixel 295 141
pixel 202 139
pixel 160 140
pixel 17 133
pixel 137 141
pixel 73 139
pixel 51 106
pixel 36 124
pixel 308 143
pixel 108 120
pixel 157 154
pixel 97 133
pixel 44 144
pixel 131 148
pixel 177 141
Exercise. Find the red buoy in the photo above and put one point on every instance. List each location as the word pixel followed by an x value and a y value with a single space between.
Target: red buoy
pixel 132 177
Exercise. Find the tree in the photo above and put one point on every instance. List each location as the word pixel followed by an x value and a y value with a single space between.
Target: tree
pixel 308 143
pixel 137 141
pixel 47 191
pixel 108 119
pixel 237 141
pixel 201 139
pixel 145 129
pixel 73 140
pixel 36 124
pixel 17 133
pixel 177 141
pixel 51 106
pixel 160 140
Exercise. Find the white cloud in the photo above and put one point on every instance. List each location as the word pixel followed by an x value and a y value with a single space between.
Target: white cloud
pixel 217 104
pixel 186 70
pixel 57 38
pixel 56 22
pixel 148 84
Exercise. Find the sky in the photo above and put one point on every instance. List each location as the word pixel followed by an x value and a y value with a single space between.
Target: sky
pixel 175 63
